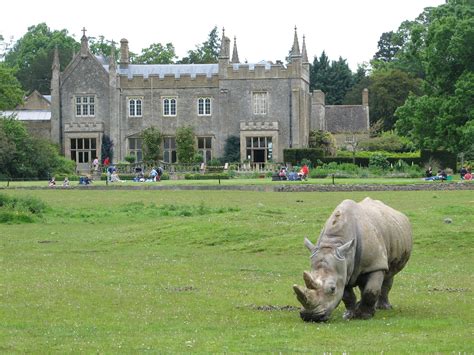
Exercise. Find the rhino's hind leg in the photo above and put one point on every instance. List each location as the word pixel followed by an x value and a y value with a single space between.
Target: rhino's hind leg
pixel 350 301
pixel 370 293
pixel 383 302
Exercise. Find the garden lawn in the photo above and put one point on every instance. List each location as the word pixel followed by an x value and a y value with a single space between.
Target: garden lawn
pixel 212 271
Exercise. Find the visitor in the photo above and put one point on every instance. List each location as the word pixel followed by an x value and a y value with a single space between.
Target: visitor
pixel 66 182
pixel 442 175
pixel 114 177
pixel 153 174
pixel 283 173
pixel 429 172
pixel 95 164
pixel 304 172
pixel 106 162
pixel 468 175
pixel 160 171
pixel 463 172
pixel 52 182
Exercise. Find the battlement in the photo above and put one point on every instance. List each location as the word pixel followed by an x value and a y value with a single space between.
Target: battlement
pixel 169 81
pixel 264 70
pixel 83 127
pixel 258 126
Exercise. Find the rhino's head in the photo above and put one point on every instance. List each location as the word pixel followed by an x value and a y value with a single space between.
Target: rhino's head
pixel 325 283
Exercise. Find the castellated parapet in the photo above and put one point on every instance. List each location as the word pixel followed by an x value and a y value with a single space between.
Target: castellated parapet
pixel 169 81
pixel 258 126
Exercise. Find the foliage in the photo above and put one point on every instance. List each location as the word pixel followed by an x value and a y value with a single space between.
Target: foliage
pixel 379 161
pixel 443 118
pixel 11 94
pixel 388 141
pixel 323 140
pixel 231 149
pixel 185 144
pixel 130 159
pixel 295 156
pixel 334 78
pixel 151 146
pixel 15 210
pixel 205 53
pixel 157 54
pixel 107 148
pixel 388 90
pixel 23 156
pixel 32 56
pixel 103 47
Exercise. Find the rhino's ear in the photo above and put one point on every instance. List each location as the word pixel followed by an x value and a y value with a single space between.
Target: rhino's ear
pixel 343 250
pixel 308 244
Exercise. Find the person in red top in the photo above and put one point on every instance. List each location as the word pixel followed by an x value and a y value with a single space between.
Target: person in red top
pixel 106 162
pixel 304 172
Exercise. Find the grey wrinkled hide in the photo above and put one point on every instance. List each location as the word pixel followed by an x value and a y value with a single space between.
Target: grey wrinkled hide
pixel 361 245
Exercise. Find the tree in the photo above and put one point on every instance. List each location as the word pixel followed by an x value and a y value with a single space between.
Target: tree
pixel 32 55
pixel 231 149
pixel 157 54
pixel 24 156
pixel 103 47
pixel 152 138
pixel 11 94
pixel 443 118
pixel 107 148
pixel 388 90
pixel 323 140
pixel 185 144
pixel 334 78
pixel 207 52
pixel 388 46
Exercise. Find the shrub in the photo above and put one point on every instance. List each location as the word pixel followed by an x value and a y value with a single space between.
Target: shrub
pixel 379 161
pixel 20 210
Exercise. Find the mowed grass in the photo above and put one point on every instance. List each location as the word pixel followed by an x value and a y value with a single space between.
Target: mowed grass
pixel 212 271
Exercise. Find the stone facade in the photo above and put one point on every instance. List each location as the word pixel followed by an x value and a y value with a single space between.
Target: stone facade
pixel 269 106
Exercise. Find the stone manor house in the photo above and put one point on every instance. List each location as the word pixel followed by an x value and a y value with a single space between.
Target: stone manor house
pixel 269 106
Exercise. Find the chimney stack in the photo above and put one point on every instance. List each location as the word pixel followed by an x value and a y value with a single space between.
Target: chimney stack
pixel 124 55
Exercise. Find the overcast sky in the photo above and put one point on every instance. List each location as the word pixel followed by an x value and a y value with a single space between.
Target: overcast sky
pixel 264 29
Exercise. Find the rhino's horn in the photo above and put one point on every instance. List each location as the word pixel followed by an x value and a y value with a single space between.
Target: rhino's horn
pixel 309 281
pixel 300 295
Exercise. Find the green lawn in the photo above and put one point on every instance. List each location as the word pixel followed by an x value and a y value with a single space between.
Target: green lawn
pixel 212 271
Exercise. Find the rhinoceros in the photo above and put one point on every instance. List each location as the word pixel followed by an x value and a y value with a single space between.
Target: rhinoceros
pixel 362 244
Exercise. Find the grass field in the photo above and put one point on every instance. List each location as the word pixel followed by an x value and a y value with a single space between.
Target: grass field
pixel 212 271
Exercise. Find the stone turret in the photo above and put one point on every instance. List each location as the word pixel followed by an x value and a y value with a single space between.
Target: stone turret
pixel 304 54
pixel 295 50
pixel 224 55
pixel 124 53
pixel 235 54
pixel 55 100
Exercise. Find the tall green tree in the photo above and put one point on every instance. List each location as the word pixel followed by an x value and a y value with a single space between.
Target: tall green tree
pixel 103 47
pixel 151 146
pixel 205 53
pixel 157 54
pixel 11 94
pixel 444 116
pixel 333 78
pixel 185 144
pixel 32 56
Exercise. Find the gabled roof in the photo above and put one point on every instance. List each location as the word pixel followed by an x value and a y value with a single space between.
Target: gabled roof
pixel 29 115
pixel 346 118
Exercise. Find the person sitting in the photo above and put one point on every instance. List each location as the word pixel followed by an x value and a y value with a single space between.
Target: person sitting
pixel 442 175
pixel 160 172
pixel 114 177
pixel 429 172
pixel 66 182
pixel 463 172
pixel 468 176
pixel 282 174
pixel 52 182
pixel 304 172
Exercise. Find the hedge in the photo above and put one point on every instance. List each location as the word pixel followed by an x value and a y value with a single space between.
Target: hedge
pixel 206 176
pixel 444 158
pixel 295 156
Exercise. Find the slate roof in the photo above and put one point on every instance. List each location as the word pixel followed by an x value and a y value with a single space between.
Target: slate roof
pixel 346 118
pixel 29 115
pixel 168 69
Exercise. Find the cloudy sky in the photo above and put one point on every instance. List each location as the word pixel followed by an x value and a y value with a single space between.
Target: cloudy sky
pixel 264 29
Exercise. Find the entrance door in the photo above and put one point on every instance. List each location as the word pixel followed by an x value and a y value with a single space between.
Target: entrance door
pixel 83 151
pixel 259 149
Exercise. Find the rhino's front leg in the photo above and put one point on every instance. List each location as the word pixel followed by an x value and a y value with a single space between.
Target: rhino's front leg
pixel 370 293
pixel 350 301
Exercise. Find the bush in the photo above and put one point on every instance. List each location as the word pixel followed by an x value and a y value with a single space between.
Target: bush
pixel 379 161
pixel 20 210
pixel 295 156
pixel 206 176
